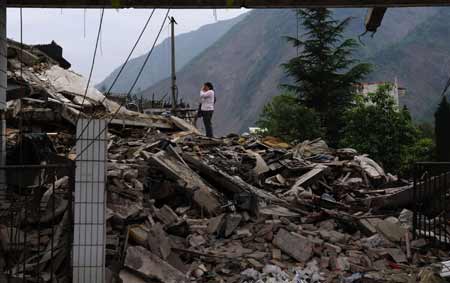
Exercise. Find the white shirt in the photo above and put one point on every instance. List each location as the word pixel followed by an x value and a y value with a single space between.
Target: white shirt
pixel 208 99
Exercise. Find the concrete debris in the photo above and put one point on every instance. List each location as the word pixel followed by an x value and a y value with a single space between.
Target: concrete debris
pixel 297 246
pixel 392 231
pixel 445 272
pixel 185 208
pixel 150 266
pixel 158 241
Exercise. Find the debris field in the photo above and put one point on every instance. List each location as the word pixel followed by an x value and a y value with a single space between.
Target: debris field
pixel 185 208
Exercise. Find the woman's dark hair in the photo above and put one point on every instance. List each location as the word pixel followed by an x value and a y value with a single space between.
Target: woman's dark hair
pixel 209 85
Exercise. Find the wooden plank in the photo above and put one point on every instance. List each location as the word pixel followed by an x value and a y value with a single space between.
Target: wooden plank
pixel 207 4
pixel 313 174
pixel 140 123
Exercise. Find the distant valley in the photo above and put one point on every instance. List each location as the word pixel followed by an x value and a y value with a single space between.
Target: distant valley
pixel 244 63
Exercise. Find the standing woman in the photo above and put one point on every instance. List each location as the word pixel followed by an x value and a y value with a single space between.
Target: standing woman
pixel 208 99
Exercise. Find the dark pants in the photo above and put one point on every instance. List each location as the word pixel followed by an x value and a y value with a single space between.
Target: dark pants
pixel 207 120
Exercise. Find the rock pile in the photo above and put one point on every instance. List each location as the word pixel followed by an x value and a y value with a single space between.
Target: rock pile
pixel 185 208
pixel 247 209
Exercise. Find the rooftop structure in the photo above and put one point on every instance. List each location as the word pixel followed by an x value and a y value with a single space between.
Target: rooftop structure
pixel 396 91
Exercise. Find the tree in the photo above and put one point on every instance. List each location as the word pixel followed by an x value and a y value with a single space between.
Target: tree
pixel 442 131
pixel 286 118
pixel 325 74
pixel 376 126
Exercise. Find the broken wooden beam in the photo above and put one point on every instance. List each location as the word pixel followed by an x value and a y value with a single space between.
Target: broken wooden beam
pixel 226 183
pixel 202 195
pixel 310 176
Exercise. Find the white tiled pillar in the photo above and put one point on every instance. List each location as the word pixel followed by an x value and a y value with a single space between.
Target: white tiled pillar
pixel 89 206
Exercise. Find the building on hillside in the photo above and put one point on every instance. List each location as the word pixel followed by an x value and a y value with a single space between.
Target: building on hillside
pixel 396 91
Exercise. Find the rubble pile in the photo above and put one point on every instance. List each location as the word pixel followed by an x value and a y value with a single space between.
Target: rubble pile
pixel 243 209
pixel 185 208
pixel 44 102
pixel 43 92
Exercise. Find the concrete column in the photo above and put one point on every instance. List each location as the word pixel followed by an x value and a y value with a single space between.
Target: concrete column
pixel 90 203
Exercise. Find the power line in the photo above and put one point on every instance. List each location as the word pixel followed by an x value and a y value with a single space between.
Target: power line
pixel 21 42
pixel 122 67
pixel 93 62
pixel 148 55
pixel 131 88
pixel 84 23
pixel 129 55
pixel 101 42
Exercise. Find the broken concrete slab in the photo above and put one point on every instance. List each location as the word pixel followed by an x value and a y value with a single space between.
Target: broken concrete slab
pixel 392 231
pixel 295 245
pixel 129 277
pixel 203 195
pixel 158 241
pixel 138 234
pixel 166 215
pixel 398 255
pixel 232 222
pixel 196 240
pixel 183 125
pixel 215 223
pixel 150 266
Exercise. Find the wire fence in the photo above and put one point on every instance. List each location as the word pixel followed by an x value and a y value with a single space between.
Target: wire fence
pixel 431 202
pixel 36 223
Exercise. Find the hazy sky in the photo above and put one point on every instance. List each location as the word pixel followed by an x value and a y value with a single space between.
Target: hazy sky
pixel 120 31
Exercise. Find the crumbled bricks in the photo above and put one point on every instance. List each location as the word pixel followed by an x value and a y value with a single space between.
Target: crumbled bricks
pixel 185 208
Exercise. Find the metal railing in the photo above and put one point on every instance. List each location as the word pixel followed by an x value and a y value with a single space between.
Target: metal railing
pixel 431 202
pixel 36 223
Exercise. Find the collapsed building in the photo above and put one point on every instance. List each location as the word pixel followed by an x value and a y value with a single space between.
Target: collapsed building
pixel 181 207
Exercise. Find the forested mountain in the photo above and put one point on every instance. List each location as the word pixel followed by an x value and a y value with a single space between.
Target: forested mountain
pixel 245 63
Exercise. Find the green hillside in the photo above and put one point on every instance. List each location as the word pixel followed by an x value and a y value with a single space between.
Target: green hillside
pixel 245 63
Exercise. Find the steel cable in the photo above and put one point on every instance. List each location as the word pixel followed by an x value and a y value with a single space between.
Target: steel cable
pixel 129 92
pixel 121 69
pixel 94 57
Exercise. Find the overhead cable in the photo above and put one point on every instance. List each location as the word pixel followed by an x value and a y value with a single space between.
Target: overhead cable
pixel 93 62
pixel 130 90
pixel 122 67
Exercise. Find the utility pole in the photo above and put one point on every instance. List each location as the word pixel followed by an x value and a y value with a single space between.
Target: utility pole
pixel 174 74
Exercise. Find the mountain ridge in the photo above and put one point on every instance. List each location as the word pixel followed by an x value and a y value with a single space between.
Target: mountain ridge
pixel 188 45
pixel 245 63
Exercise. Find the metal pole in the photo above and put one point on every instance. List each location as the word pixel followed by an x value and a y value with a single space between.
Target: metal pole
pixel 174 74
